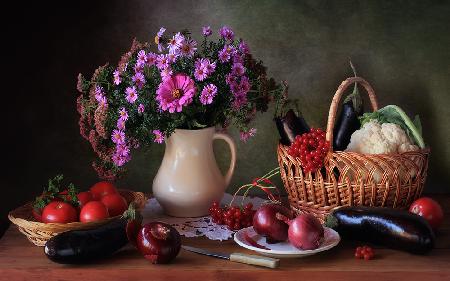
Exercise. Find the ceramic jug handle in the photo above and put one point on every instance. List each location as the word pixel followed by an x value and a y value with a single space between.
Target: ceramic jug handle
pixel 230 142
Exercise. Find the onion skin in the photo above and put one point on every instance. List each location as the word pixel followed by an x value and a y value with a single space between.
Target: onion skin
pixel 305 232
pixel 159 242
pixel 266 222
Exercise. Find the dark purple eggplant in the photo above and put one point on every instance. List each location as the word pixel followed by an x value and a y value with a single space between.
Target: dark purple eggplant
pixel 348 121
pixel 290 126
pixel 83 246
pixel 393 228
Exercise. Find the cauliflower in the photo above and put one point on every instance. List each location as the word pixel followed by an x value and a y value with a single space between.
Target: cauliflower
pixel 376 138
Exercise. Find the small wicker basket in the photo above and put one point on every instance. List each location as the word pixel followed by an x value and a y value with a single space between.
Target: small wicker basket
pixel 353 179
pixel 38 233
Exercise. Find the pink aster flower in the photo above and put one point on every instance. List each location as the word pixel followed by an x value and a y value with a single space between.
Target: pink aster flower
pixel 206 30
pixel 159 137
pixel 158 39
pixel 175 92
pixel 139 66
pixel 244 84
pixel 98 93
pixel 121 124
pixel 162 61
pixel 131 94
pixel 118 137
pixel 200 73
pixel 208 94
pixel 243 47
pixel 226 33
pixel 188 47
pixel 247 135
pixel 224 56
pixel 139 79
pixel 151 59
pixel 123 150
pixel 116 75
pixel 142 57
pixel 141 108
pixel 239 100
pixel 175 42
pixel 103 101
pixel 230 79
pixel 237 58
pixel 173 57
pixel 166 73
pixel 237 69
pixel 123 114
pixel 206 64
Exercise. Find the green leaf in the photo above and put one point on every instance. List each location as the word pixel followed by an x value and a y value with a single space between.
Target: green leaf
pixel 418 124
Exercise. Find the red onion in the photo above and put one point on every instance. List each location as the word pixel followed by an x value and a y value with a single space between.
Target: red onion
pixel 158 242
pixel 266 222
pixel 305 232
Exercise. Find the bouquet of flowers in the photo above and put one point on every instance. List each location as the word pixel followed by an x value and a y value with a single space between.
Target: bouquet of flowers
pixel 182 84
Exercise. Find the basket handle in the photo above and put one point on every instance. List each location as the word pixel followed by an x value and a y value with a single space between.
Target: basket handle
pixel 337 98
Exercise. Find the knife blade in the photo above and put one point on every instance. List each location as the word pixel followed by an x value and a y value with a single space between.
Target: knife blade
pixel 237 257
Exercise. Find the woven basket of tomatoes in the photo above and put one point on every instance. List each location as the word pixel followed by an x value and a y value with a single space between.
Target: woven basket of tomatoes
pixel 57 211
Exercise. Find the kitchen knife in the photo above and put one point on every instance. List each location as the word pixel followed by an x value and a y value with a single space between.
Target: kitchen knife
pixel 237 257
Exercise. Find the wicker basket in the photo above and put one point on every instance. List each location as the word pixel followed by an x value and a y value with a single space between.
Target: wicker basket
pixel 352 179
pixel 39 233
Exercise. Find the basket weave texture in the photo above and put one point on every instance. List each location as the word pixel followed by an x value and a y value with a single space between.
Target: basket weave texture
pixel 353 179
pixel 39 233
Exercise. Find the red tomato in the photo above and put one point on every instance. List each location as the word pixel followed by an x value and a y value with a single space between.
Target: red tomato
pixel 93 211
pixel 37 214
pixel 101 189
pixel 115 203
pixel 59 212
pixel 428 209
pixel 84 197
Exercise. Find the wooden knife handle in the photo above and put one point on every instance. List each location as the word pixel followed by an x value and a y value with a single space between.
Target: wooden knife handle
pixel 255 260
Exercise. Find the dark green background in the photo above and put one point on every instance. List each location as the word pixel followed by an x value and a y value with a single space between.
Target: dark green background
pixel 400 47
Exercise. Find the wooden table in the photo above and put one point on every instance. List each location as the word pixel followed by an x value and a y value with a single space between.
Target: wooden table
pixel 20 260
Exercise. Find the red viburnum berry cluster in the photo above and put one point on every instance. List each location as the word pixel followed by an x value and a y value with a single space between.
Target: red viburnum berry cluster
pixel 233 217
pixel 311 148
pixel 364 252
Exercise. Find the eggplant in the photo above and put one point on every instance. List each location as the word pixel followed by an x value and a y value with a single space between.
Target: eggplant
pixel 82 246
pixel 290 126
pixel 393 228
pixel 348 121
pixel 346 124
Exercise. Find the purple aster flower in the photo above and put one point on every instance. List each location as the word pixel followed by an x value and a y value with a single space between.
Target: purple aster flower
pixel 118 137
pixel 188 47
pixel 121 124
pixel 162 61
pixel 175 92
pixel 98 93
pixel 243 47
pixel 166 73
pixel 103 101
pixel 122 150
pixel 246 135
pixel 237 69
pixel 139 79
pixel 244 84
pixel 206 64
pixel 159 137
pixel 139 66
pixel 123 114
pixel 142 57
pixel 131 94
pixel 238 59
pixel 230 79
pixel 224 56
pixel 200 72
pixel 208 94
pixel 118 159
pixel 158 37
pixel 174 43
pixel 141 108
pixel 239 100
pixel 173 57
pixel 226 33
pixel 151 59
pixel 116 75
pixel 206 30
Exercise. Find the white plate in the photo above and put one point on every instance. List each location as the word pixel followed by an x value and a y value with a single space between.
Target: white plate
pixel 284 249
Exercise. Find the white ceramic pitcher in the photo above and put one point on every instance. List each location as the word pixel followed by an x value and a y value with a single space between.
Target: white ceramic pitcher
pixel 189 180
